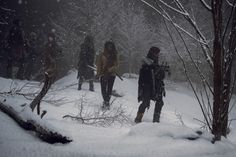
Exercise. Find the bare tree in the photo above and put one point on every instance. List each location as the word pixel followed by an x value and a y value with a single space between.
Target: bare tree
pixel 219 54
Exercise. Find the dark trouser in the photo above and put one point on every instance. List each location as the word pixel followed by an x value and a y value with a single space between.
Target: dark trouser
pixel 81 80
pixel 107 83
pixel 146 103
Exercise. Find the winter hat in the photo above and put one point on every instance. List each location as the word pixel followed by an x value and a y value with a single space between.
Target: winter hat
pixel 152 52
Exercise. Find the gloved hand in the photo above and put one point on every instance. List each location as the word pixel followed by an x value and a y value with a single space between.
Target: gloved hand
pixel 140 94
pixel 164 93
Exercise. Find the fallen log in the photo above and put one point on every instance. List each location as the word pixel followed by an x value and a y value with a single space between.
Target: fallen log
pixel 46 134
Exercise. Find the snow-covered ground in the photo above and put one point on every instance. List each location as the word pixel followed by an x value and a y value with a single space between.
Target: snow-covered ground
pixel 165 139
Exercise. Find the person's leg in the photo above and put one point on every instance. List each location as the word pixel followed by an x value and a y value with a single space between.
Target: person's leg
pixel 111 81
pixel 91 86
pixel 145 104
pixel 146 98
pixel 157 111
pixel 103 82
pixel 81 80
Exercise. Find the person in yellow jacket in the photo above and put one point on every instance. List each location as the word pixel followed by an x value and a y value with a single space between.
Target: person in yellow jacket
pixel 107 67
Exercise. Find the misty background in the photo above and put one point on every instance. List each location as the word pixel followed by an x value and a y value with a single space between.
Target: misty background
pixel 133 26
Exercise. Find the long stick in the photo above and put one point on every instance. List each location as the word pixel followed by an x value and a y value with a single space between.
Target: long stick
pixel 94 69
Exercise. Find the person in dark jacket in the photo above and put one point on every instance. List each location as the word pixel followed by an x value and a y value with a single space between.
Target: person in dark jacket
pixel 86 63
pixel 151 85
pixel 16 49
pixel 107 66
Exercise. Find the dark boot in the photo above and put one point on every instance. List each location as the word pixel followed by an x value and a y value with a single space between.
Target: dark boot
pixel 156 117
pixel 79 87
pixel 106 105
pixel 91 86
pixel 138 118
pixel 81 80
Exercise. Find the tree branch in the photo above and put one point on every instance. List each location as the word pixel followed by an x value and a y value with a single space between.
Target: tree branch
pixel 206 5
pixel 187 76
pixel 229 3
pixel 203 42
pixel 228 21
pixel 206 47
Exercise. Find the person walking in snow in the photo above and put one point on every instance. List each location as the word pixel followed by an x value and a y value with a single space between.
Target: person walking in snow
pixel 86 63
pixel 151 85
pixel 107 66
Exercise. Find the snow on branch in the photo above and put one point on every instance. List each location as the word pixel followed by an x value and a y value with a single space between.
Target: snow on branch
pixel 229 3
pixel 203 78
pixel 206 5
pixel 207 119
pixel 172 8
pixel 206 48
pixel 178 26
pixel 228 21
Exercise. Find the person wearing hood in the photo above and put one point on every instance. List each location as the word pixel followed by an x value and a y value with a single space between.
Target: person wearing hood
pixel 151 85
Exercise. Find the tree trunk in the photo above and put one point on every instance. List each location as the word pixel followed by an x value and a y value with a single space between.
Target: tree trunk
pixel 217 61
pixel 42 132
pixel 36 102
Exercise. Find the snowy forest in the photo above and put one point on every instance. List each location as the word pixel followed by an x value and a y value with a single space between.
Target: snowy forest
pixel 117 78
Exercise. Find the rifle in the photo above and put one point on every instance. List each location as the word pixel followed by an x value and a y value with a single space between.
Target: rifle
pixel 94 69
pixel 119 77
pixel 165 67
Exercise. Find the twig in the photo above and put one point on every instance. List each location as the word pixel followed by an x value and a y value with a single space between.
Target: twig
pixel 206 5
pixel 228 21
pixel 101 117
pixel 187 76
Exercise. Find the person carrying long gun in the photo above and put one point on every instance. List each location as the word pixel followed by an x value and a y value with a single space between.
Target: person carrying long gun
pixel 107 67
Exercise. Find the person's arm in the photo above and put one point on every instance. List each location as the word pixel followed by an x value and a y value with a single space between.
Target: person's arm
pixel 115 67
pixel 160 78
pixel 140 85
pixel 99 65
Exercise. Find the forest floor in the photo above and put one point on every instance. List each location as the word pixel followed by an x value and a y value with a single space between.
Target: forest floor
pixel 118 137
